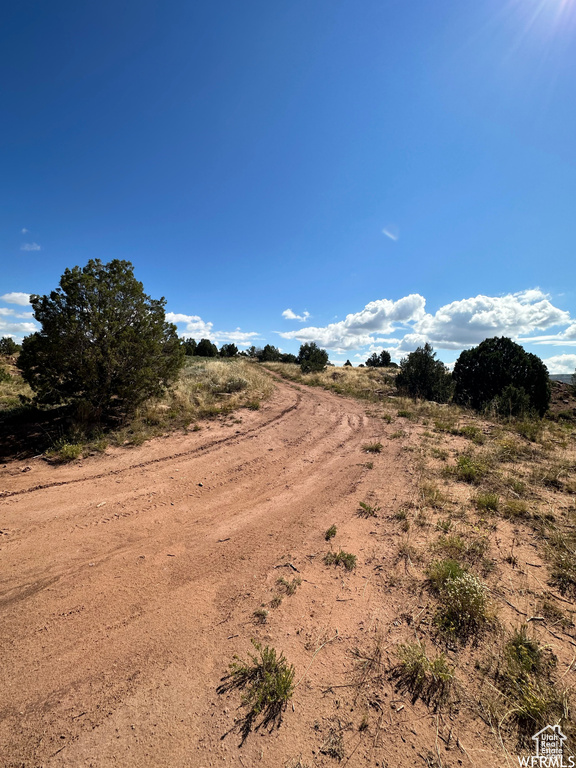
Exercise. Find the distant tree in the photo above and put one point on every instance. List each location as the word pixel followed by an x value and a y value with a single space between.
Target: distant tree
pixel 189 347
pixel 312 358
pixel 501 374
pixel 228 350
pixel 270 354
pixel 251 351
pixel 205 348
pixel 8 346
pixel 381 360
pixel 421 375
pixel 361 365
pixel 103 342
pixel 348 363
pixel 288 357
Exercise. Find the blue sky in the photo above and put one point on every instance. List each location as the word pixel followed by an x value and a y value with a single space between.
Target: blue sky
pixel 390 172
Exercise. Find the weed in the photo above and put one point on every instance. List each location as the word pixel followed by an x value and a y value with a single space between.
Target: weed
pixel 463 610
pixel 432 496
pixel 253 405
pixel 290 587
pixel 473 433
pixel 454 547
pixel 261 615
pixel 531 429
pixel 333 745
pixel 444 525
pixel 428 679
pixel 373 448
pixel 468 469
pixel 397 434
pixel 440 572
pixel 364 723
pixel 406 552
pixel 515 508
pixel 341 558
pixel 330 533
pixel 268 682
pixel 440 453
pixel 368 510
pixel 387 417
pixel 369 465
pixel 524 679
pixel 68 452
pixel 405 414
pixel 487 502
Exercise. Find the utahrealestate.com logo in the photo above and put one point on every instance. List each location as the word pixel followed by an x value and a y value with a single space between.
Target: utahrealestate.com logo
pixel 549 745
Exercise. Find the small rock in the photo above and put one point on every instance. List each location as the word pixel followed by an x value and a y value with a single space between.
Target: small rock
pixel 201 485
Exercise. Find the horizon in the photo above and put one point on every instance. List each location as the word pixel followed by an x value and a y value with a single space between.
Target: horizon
pixel 365 177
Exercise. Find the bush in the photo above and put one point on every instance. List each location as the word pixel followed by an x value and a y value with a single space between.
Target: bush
pixel 228 350
pixel 381 360
pixel 205 348
pixel 348 364
pixel 312 359
pixel 4 374
pixel 421 375
pixel 501 374
pixel 341 558
pixel 103 342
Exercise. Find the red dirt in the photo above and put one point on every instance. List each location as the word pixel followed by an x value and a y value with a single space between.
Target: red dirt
pixel 130 580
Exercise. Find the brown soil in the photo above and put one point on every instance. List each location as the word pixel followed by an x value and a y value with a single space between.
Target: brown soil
pixel 129 581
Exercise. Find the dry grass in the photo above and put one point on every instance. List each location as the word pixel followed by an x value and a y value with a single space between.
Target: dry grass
pixel 206 388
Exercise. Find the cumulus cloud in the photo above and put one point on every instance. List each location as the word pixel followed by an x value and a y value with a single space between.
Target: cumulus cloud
pixel 401 326
pixel 195 327
pixel 16 330
pixel 358 329
pixel 289 315
pixel 16 298
pixel 467 322
pixel 30 247
pixel 561 363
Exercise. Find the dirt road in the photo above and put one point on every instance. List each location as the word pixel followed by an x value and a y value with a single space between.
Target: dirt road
pixel 128 582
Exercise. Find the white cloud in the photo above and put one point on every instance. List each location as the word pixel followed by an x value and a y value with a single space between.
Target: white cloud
pixel 198 329
pixel 30 247
pixel 467 322
pixel 455 326
pixel 16 330
pixel 561 363
pixel 16 298
pixel 289 315
pixel 392 232
pixel 23 230
pixel 358 329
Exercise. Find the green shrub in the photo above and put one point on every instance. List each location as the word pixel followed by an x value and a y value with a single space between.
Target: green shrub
pixel 501 374
pixel 341 558
pixel 421 375
pixel 268 684
pixel 373 448
pixel 368 510
pixel 330 533
pixel 312 359
pixel 430 680
pixel 463 610
pixel 487 502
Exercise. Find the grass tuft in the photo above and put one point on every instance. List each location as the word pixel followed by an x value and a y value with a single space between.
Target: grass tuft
pixel 341 558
